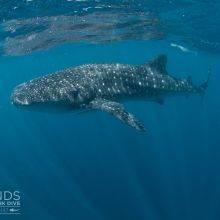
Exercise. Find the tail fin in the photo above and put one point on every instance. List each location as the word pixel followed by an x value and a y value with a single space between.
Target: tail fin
pixel 202 88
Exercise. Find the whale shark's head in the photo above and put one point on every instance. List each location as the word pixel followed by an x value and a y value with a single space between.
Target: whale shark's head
pixel 36 97
pixel 22 95
pixel 25 94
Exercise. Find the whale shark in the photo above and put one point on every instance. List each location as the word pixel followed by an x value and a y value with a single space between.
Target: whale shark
pixel 105 87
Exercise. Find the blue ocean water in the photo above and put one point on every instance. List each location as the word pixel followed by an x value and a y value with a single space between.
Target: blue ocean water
pixel 90 165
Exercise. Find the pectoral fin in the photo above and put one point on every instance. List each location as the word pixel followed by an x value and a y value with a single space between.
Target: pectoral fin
pixel 118 111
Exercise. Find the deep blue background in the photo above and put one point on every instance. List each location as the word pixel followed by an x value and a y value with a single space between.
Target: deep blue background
pixel 91 166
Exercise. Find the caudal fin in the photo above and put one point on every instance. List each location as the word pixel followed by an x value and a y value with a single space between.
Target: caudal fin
pixel 202 88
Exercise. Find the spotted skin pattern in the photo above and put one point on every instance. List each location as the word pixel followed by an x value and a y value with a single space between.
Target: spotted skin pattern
pixel 103 86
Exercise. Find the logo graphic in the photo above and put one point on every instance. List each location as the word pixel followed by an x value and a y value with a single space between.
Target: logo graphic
pixel 10 203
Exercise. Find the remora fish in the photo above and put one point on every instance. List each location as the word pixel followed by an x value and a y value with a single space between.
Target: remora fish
pixel 104 86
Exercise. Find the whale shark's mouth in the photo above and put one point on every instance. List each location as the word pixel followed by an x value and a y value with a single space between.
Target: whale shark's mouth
pixel 20 102
pixel 47 107
pixel 19 99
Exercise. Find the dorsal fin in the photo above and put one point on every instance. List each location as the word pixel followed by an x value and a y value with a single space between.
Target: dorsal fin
pixel 159 64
